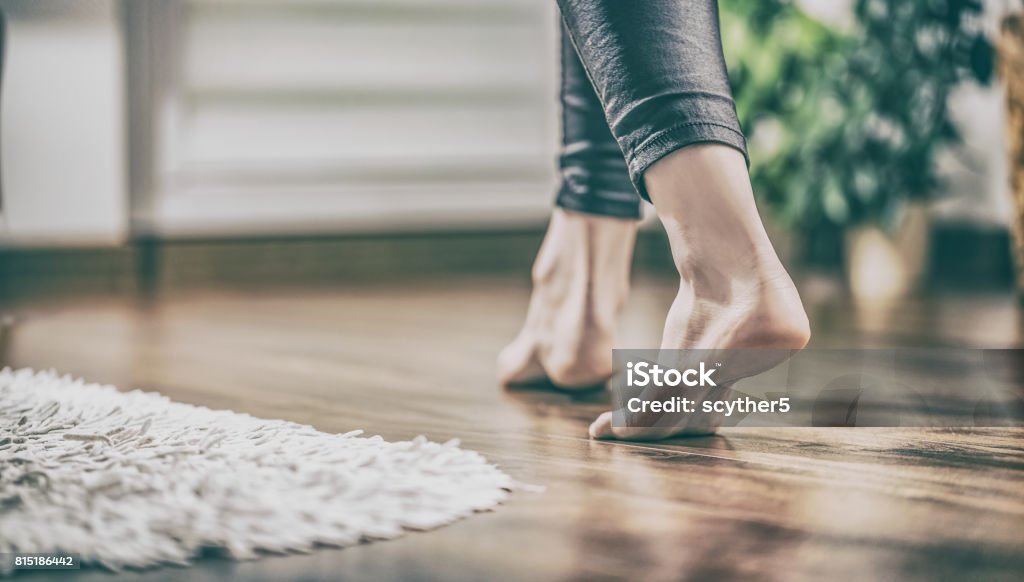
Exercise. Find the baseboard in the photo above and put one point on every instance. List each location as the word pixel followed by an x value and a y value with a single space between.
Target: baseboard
pixel 145 266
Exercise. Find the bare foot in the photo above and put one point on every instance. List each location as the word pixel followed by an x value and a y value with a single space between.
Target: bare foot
pixel 580 283
pixel 734 291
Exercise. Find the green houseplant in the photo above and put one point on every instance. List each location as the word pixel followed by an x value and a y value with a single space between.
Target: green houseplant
pixel 846 125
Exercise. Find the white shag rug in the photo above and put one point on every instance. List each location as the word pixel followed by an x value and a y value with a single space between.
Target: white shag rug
pixel 131 479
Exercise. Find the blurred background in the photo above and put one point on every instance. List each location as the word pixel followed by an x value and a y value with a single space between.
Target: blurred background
pixel 162 146
pixel 326 211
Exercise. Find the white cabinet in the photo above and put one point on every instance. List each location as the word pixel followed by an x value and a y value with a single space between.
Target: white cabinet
pixel 258 117
pixel 62 132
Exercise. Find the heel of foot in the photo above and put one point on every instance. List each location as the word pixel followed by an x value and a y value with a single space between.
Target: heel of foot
pixel 789 331
pixel 579 377
pixel 580 374
pixel 777 321
pixel 519 364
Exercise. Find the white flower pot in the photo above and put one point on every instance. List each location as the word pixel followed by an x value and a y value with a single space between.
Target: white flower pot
pixel 881 265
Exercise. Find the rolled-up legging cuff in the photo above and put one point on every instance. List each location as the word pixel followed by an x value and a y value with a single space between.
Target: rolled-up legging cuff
pixel 677 137
pixel 581 193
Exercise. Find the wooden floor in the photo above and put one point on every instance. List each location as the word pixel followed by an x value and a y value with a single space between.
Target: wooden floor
pixel 841 504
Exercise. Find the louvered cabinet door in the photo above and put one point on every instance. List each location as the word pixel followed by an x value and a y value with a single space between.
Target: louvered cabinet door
pixel 258 117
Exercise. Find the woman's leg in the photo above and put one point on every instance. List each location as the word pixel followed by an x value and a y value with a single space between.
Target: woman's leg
pixel 658 69
pixel 593 174
pixel 581 274
pixel 733 292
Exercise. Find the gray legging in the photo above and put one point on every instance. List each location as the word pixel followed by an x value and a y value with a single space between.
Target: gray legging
pixel 640 79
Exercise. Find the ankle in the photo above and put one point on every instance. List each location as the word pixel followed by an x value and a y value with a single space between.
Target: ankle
pixel 585 247
pixel 735 292
pixel 704 199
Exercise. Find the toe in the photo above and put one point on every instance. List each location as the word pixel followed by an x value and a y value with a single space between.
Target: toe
pixel 602 427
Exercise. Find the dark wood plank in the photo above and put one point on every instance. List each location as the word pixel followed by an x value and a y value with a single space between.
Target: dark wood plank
pixel 401 361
